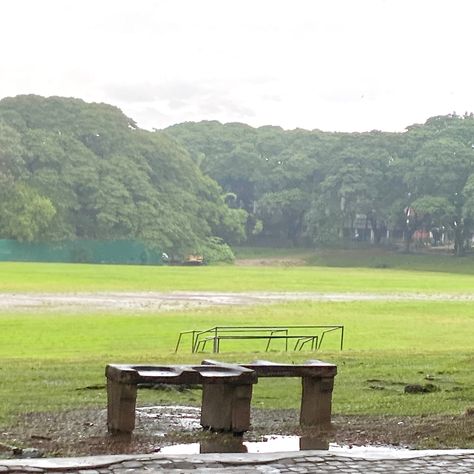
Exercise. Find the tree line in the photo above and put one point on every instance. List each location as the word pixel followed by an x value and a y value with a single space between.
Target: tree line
pixel 72 170
pixel 309 187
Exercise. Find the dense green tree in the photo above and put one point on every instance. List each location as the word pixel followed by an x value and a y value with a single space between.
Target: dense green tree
pixel 74 170
pixel 438 173
pixel 78 170
pixel 24 214
pixel 313 186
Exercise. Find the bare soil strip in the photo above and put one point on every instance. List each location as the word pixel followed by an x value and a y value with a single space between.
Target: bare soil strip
pixel 156 301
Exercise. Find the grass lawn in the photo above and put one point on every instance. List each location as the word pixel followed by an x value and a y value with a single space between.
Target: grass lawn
pixel 380 258
pixel 55 361
pixel 367 257
pixel 53 277
pixel 51 361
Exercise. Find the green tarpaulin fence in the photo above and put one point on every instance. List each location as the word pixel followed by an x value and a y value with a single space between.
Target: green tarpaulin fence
pixel 83 251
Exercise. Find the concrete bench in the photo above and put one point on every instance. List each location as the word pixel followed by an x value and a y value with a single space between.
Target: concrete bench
pixel 317 380
pixel 226 393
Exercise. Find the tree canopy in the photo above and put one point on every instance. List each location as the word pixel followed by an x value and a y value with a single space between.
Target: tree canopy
pixel 312 186
pixel 69 170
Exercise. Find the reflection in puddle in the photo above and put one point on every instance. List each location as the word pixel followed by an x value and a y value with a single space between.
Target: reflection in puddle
pixel 234 444
pixel 278 443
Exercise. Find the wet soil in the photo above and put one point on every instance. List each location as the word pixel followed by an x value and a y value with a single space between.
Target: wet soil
pixel 156 301
pixel 272 261
pixel 83 432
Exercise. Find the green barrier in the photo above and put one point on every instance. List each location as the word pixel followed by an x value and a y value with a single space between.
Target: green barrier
pixel 81 251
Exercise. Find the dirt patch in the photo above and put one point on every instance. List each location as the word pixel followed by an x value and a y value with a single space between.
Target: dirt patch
pixel 83 432
pixel 271 261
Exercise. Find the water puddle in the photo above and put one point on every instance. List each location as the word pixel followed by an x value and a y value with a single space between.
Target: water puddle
pixel 222 443
pixel 166 419
pixel 173 417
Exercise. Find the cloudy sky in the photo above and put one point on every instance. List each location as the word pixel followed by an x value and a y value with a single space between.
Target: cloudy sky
pixel 342 65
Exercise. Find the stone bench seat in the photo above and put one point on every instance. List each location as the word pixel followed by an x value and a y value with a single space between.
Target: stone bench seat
pixel 317 382
pixel 179 374
pixel 226 391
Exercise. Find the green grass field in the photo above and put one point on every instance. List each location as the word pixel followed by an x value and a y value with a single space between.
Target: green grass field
pixel 368 257
pixel 55 360
pixel 31 277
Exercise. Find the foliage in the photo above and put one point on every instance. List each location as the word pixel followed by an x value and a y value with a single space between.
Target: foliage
pixel 25 215
pixel 216 250
pixel 178 188
pixel 311 186
pixel 77 170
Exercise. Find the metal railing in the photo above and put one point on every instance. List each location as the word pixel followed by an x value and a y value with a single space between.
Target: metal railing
pixel 199 338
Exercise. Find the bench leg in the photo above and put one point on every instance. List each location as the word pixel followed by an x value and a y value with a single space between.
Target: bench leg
pixel 316 400
pixel 226 407
pixel 121 402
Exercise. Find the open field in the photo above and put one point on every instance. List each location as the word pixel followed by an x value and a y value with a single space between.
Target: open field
pixel 60 278
pixel 53 360
pixel 387 345
pixel 430 259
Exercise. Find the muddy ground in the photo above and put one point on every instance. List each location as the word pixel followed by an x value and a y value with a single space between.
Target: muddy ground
pixel 83 432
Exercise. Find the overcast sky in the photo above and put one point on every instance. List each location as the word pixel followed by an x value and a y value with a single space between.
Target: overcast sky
pixel 346 65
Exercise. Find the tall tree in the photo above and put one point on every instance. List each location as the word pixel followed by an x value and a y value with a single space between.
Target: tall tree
pixel 86 171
